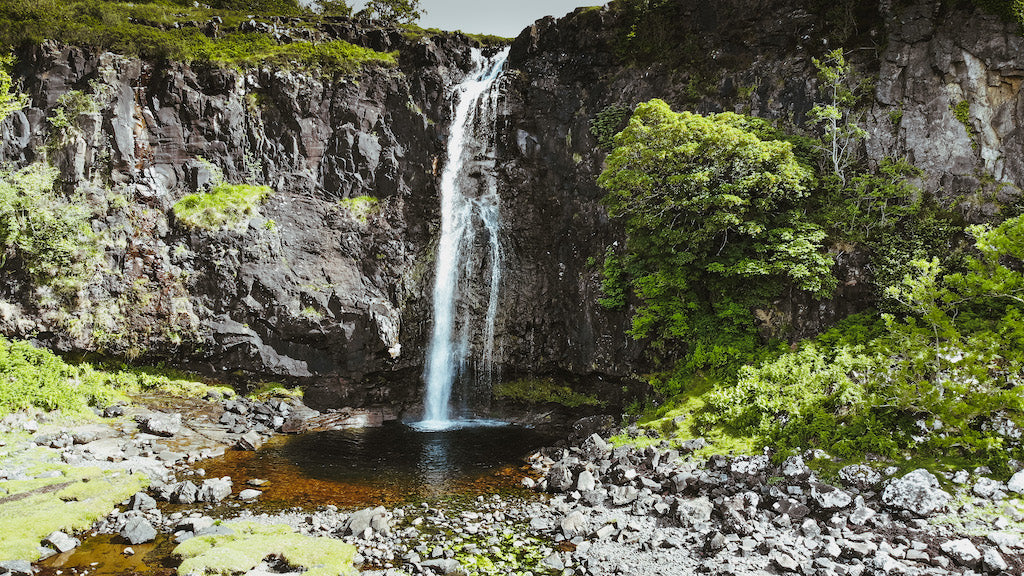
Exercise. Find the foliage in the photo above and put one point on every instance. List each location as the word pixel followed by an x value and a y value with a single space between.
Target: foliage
pixel 609 122
pixel 715 227
pixel 224 206
pixel 874 202
pixel 1009 10
pixel 393 11
pixel 44 232
pixel 10 100
pixel 542 391
pixel 32 377
pixel 70 106
pixel 836 116
pixel 942 378
pixel 334 8
pixel 614 286
pixel 249 543
pixel 149 30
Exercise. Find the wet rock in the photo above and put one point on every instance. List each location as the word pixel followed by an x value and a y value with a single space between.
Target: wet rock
pixel 559 479
pixel 249 441
pixel 61 541
pixel 249 494
pixel 918 493
pixel 138 530
pixel 368 518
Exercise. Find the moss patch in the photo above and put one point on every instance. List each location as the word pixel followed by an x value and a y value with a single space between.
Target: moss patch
pixel 251 543
pixel 32 509
pixel 224 206
pixel 360 207
pixel 544 390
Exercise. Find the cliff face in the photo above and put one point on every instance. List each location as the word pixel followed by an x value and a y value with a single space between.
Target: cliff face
pixel 334 294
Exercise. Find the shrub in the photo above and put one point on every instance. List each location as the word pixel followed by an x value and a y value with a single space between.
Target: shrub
pixel 43 232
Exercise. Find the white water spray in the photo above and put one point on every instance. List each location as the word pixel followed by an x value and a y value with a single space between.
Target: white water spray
pixel 469 208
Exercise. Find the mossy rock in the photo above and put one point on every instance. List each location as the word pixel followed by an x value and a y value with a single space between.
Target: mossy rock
pixel 250 544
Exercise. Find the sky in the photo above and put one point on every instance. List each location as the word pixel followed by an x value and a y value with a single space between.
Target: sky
pixel 501 17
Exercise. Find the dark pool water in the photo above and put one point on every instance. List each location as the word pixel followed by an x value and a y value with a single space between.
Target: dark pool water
pixel 390 465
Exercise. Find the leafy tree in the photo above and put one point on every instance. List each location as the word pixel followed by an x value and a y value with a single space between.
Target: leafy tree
pixel 712 210
pixel 335 8
pixel 393 11
pixel 9 101
pixel 841 132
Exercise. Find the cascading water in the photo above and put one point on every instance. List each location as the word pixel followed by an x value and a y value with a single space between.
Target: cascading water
pixel 460 343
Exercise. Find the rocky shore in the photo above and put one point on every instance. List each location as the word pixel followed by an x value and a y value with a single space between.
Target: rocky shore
pixel 596 509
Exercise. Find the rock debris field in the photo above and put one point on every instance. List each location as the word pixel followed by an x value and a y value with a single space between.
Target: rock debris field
pixel 595 509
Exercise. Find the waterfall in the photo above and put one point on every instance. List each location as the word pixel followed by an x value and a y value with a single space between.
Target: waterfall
pixel 462 342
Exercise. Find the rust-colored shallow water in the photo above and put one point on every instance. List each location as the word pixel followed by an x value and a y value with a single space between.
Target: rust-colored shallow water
pixel 390 465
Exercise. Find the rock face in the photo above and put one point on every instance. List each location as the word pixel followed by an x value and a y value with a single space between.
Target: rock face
pixel 332 293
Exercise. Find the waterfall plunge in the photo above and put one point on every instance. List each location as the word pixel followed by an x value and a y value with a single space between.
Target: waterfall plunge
pixel 469 208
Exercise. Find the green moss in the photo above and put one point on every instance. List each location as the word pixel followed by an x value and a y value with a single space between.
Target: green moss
pixel 962 112
pixel 251 543
pixel 90 495
pixel 544 390
pixel 360 207
pixel 224 206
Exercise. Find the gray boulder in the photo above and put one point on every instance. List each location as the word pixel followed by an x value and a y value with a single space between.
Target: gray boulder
pixel 795 470
pixel 251 440
pixel 1016 483
pixel 214 489
pixel 16 567
pixel 859 476
pixel 963 552
pixel 829 498
pixel 138 530
pixel 158 424
pixel 61 542
pixel 918 493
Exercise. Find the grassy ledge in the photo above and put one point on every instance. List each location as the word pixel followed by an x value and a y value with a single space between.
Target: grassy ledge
pixel 224 206
pixel 167 29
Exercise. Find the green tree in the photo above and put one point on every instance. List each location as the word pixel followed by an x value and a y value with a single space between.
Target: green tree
pixel 335 8
pixel 10 100
pixel 835 115
pixel 393 11
pixel 712 210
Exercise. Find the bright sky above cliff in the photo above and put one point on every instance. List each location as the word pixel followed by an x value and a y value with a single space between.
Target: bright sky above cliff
pixel 501 17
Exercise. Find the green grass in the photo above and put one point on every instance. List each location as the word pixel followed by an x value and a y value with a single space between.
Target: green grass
pixel 360 207
pixel 544 390
pixel 91 493
pixel 33 377
pixel 687 405
pixel 224 206
pixel 145 30
pixel 251 543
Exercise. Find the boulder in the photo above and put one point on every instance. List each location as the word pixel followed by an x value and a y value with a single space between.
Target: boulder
pixel 794 469
pixel 1016 483
pixel 159 424
pixel 918 493
pixel 214 489
pixel 829 498
pixel 61 542
pixel 963 552
pixel 138 530
pixel 249 494
pixel 251 440
pixel 859 476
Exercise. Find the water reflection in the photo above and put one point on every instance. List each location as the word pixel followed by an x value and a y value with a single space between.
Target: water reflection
pixel 389 465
